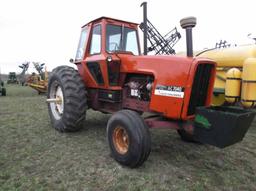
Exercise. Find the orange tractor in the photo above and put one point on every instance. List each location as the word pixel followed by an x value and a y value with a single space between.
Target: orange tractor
pixel 114 77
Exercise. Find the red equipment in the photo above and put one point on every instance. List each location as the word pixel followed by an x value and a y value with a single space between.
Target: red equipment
pixel 113 77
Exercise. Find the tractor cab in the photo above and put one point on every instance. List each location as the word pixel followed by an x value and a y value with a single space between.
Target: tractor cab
pixel 107 36
pixel 100 42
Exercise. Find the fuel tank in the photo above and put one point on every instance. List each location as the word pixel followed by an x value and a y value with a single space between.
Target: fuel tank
pixel 249 83
pixel 233 85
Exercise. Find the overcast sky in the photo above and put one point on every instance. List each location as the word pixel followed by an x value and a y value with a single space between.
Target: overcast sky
pixel 48 30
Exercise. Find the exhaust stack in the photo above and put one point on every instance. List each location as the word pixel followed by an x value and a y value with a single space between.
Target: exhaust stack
pixel 145 32
pixel 188 23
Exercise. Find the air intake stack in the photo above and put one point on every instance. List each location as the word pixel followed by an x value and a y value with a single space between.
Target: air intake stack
pixel 145 27
pixel 188 23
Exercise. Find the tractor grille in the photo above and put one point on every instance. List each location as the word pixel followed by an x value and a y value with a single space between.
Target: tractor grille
pixel 200 87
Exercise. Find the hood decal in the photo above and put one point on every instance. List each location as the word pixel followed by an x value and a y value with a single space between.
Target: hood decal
pixel 170 91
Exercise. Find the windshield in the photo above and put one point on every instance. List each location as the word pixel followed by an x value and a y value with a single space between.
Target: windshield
pixel 120 38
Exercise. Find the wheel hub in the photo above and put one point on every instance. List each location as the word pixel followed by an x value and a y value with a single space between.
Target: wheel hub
pixel 120 140
pixel 56 100
pixel 59 103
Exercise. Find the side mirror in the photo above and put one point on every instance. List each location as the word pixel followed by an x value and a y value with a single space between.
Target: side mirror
pixel 71 60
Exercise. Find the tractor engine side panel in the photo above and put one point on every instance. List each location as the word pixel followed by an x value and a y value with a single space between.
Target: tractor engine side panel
pixel 170 80
pixel 173 83
pixel 137 92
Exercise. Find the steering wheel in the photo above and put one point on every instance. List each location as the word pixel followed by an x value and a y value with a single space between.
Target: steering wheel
pixel 115 46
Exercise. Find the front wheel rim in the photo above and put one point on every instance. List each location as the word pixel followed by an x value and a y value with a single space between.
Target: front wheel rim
pixel 121 140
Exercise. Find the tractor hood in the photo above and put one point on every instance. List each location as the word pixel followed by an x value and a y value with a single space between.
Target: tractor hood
pixel 173 78
pixel 167 70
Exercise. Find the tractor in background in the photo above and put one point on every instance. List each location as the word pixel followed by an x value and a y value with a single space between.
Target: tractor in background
pixel 114 77
pixel 12 78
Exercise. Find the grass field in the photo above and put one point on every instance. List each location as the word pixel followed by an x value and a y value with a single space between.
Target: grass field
pixel 33 156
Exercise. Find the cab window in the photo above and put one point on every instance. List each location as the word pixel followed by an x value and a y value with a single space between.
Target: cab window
pixel 96 40
pixel 81 44
pixel 120 38
pixel 131 43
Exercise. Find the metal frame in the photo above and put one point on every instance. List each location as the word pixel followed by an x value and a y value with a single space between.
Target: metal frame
pixel 159 44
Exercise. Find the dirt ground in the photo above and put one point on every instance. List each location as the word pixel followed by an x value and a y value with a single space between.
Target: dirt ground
pixel 33 156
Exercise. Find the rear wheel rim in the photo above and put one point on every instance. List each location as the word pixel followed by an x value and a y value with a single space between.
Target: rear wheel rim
pixel 57 107
pixel 121 140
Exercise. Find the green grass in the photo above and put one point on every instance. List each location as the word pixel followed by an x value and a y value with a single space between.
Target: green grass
pixel 33 156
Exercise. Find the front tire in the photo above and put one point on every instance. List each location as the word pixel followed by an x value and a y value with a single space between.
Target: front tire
pixel 68 113
pixel 128 138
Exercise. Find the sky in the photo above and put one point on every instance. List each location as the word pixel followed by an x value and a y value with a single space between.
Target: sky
pixel 48 30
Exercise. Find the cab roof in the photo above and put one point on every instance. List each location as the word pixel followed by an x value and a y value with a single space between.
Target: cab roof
pixel 111 19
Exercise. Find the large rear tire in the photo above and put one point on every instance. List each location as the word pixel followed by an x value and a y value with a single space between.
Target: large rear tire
pixel 68 113
pixel 129 138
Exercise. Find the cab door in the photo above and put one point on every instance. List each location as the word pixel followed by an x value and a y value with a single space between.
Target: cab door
pixel 103 67
pixel 88 56
pixel 95 62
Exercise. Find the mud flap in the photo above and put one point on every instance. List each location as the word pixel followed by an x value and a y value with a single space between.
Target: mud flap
pixel 221 126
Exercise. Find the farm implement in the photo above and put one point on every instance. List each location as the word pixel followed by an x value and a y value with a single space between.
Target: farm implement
pixel 235 82
pixel 38 81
